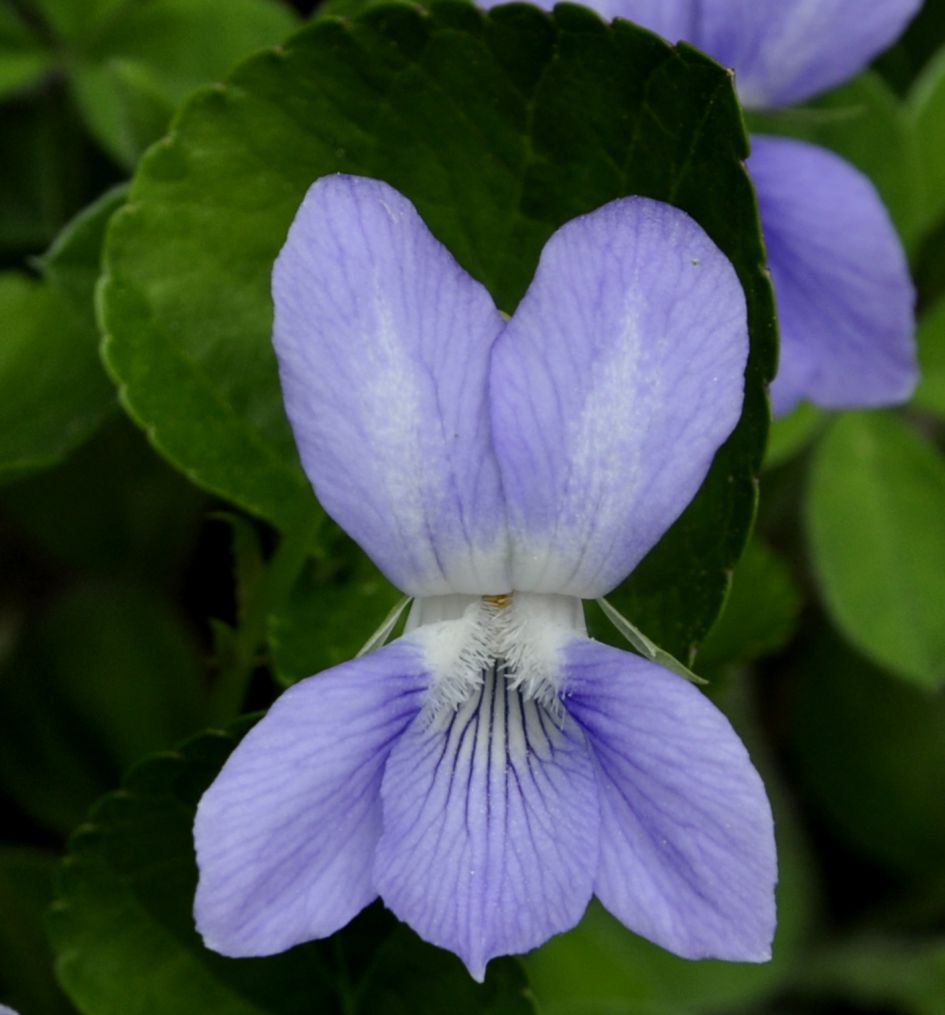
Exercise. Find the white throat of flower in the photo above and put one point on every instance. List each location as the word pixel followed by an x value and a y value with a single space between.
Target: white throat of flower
pixel 520 633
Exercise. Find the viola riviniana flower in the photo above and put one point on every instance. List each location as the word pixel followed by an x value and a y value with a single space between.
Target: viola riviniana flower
pixel 492 768
pixel 845 299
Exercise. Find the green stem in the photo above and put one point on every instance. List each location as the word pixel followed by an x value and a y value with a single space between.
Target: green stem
pixel 271 591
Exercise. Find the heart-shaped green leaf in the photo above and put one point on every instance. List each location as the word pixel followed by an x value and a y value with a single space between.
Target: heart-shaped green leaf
pixel 500 127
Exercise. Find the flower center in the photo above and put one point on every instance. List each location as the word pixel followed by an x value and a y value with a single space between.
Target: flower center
pixel 519 635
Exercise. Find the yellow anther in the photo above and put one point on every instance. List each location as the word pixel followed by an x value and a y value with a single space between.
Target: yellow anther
pixel 501 600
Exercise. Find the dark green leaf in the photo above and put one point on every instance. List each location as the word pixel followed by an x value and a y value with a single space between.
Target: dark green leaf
pixel 500 127
pixel 113 507
pixel 72 264
pixel 870 751
pixel 760 614
pixel 880 973
pixel 410 978
pixel 26 972
pixel 334 608
pixel 926 110
pixel 107 674
pixel 53 174
pixel 53 391
pixel 874 519
pixel 73 20
pixel 124 903
pixel 930 394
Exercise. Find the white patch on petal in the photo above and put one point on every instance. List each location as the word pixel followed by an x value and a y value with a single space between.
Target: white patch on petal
pixel 466 637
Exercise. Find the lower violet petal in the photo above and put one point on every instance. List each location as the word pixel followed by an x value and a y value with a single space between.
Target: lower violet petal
pixel 490 825
pixel 286 834
pixel 687 856
pixel 845 299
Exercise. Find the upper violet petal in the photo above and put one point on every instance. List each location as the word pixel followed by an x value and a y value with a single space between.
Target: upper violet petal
pixel 787 51
pixel 613 385
pixel 383 344
pixel 490 826
pixel 687 856
pixel 845 298
pixel 286 834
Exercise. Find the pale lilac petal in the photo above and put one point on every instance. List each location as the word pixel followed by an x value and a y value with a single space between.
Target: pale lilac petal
pixel 286 834
pixel 383 344
pixel 618 377
pixel 845 299
pixel 490 827
pixel 784 51
pixel 687 846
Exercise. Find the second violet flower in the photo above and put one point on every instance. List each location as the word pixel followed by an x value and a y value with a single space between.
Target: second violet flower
pixel 491 769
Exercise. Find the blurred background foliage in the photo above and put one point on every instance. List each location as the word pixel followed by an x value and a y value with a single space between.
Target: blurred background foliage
pixel 137 609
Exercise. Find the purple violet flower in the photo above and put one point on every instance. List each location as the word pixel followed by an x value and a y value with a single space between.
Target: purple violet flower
pixel 492 768
pixel 845 298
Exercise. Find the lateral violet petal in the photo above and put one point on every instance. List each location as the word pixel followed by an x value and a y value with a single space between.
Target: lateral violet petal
pixel 845 298
pixel 687 854
pixel 613 385
pixel 286 834
pixel 383 344
pixel 490 826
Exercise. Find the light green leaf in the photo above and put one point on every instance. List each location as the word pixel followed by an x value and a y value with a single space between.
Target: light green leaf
pixel 500 127
pixel 124 107
pixel 23 57
pixel 874 520
pixel 147 57
pixel 53 391
pixel 124 903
